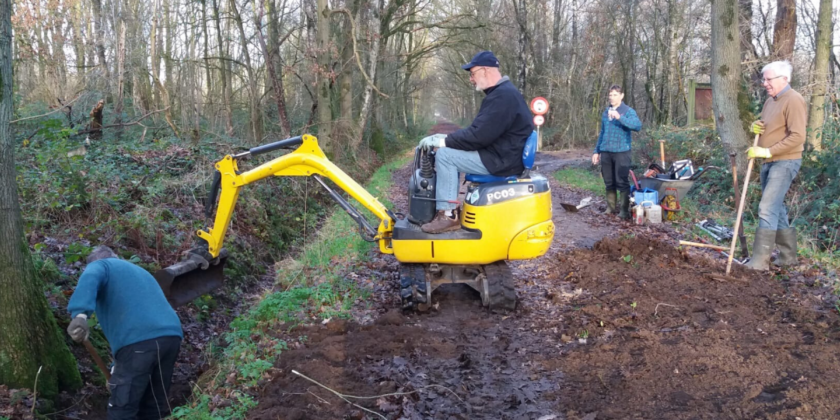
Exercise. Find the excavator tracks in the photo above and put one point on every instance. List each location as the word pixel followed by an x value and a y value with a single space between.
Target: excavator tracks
pixel 500 290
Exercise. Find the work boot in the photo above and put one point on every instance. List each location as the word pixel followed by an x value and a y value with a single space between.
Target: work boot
pixel 611 197
pixel 786 242
pixel 624 203
pixel 765 241
pixel 442 223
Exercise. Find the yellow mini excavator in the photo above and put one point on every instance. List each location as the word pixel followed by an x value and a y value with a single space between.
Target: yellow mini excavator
pixel 502 219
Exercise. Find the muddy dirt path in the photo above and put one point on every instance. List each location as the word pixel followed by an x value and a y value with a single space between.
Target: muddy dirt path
pixel 614 322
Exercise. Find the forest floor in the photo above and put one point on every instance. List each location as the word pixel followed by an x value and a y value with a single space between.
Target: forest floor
pixel 614 322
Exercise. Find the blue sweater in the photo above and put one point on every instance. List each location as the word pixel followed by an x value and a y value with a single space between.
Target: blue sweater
pixel 615 135
pixel 128 302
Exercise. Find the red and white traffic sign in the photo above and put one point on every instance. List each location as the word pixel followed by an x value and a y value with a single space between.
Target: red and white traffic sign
pixel 539 120
pixel 539 105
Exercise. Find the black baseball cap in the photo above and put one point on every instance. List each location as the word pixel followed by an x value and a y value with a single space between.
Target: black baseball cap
pixel 483 59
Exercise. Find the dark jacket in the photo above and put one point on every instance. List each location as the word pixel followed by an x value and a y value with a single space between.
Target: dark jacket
pixel 499 131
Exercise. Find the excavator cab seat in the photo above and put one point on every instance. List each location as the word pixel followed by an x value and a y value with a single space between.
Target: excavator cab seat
pixel 528 155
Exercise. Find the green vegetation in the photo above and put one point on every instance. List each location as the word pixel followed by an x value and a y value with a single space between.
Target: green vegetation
pixel 313 288
pixel 581 178
pixel 813 201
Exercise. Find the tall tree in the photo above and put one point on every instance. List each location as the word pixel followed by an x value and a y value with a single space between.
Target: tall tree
pixel 324 74
pixel 816 113
pixel 254 94
pixel 224 72
pixel 100 37
pixel 726 77
pixel 32 342
pixel 275 74
pixel 784 31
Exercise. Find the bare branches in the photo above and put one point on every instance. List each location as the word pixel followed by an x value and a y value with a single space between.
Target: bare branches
pixel 356 52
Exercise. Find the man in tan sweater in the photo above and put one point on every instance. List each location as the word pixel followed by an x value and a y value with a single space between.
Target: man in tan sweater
pixel 782 129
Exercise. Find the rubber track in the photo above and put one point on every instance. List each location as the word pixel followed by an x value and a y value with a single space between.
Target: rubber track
pixel 500 284
pixel 411 277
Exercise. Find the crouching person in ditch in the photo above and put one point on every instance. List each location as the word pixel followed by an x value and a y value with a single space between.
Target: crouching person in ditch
pixel 781 143
pixel 143 330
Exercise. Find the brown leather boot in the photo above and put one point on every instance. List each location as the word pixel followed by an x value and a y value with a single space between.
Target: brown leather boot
pixel 442 223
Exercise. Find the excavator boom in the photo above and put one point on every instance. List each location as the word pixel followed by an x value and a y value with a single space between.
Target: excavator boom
pixel 202 270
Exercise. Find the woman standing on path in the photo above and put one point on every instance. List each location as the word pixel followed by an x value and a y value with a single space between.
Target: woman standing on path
pixel 613 150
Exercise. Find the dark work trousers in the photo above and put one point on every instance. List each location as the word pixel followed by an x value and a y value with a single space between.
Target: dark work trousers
pixel 140 383
pixel 615 168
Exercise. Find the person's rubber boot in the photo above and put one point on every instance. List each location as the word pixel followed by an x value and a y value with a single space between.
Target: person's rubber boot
pixel 624 205
pixel 786 242
pixel 765 241
pixel 611 199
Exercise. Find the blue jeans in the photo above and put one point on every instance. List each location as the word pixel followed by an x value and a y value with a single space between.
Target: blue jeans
pixel 776 178
pixel 448 163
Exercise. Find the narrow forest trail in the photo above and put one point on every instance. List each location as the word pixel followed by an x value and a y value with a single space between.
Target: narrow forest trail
pixel 614 322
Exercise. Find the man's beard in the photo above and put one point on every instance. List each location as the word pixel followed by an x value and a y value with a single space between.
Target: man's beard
pixel 478 88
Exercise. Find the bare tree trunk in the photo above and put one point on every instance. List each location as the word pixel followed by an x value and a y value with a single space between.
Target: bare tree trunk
pixel 207 74
pixel 745 23
pixel 324 72
pixel 32 346
pixel 784 32
pixel 118 107
pixel 95 124
pixel 522 19
pixel 254 94
pixel 375 47
pixel 78 40
pixel 726 77
pixel 816 113
pixel 100 41
pixel 276 77
pixel 227 90
pixel 154 52
pixel 345 82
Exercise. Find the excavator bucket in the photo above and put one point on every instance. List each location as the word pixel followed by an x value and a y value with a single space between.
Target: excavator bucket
pixel 183 282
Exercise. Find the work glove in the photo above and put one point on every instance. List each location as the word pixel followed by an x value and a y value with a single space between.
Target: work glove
pixel 435 140
pixel 758 152
pixel 757 127
pixel 78 328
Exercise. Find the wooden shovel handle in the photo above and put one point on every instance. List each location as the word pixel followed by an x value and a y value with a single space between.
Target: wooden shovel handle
pixel 98 360
pixel 740 210
pixel 699 245
pixel 662 152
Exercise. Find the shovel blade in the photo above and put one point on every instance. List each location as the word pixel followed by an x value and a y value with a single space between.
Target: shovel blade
pixel 572 208
pixel 185 281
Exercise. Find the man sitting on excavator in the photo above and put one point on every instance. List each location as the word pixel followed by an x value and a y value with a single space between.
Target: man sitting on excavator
pixel 491 145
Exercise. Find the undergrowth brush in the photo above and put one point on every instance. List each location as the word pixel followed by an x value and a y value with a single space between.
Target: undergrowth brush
pixel 813 200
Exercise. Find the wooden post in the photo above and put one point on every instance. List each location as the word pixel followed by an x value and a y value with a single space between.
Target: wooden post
pixel 692 89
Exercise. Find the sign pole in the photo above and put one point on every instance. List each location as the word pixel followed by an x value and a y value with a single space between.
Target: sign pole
pixel 539 139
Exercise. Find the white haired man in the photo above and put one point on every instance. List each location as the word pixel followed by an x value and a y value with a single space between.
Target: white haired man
pixel 781 143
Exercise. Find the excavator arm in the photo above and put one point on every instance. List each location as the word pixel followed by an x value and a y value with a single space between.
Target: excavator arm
pixel 307 160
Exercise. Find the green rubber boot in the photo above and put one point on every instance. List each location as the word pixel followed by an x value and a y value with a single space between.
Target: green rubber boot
pixel 786 242
pixel 624 203
pixel 765 241
pixel 611 199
